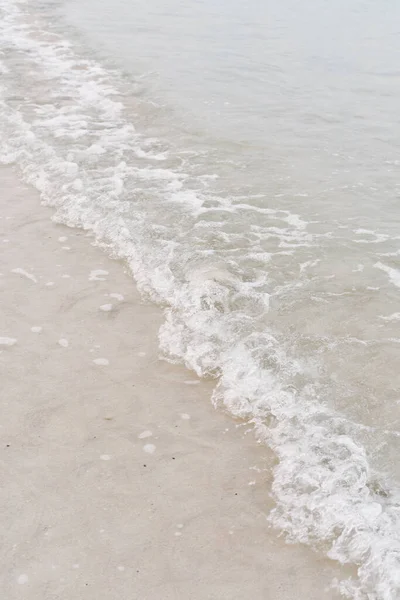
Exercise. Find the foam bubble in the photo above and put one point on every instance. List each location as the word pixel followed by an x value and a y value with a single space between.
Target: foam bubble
pixel 7 341
pixel 149 448
pixel 103 362
pixel 106 307
pixel 98 275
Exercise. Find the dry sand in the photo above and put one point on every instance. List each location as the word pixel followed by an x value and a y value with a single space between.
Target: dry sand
pixel 119 481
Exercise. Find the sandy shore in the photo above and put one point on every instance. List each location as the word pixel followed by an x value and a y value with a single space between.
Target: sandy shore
pixel 119 481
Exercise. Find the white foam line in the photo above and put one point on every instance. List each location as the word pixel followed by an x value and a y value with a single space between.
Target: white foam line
pixel 393 317
pixel 24 273
pixel 394 274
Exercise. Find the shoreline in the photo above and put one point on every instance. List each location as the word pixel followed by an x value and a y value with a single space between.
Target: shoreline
pixel 119 477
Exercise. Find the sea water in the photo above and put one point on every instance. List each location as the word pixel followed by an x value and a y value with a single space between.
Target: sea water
pixel 243 159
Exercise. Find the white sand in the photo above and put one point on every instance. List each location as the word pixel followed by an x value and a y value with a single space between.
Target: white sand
pixel 118 480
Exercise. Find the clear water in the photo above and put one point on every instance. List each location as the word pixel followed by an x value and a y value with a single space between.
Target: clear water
pixel 244 160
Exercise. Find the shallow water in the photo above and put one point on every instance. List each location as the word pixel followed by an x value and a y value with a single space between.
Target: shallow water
pixel 244 161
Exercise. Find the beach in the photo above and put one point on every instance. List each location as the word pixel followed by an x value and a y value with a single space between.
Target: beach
pixel 200 326
pixel 119 480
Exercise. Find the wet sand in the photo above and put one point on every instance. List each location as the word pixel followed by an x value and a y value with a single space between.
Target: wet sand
pixel 119 480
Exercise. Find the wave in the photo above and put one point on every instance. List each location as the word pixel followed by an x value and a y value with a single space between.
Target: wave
pixel 203 257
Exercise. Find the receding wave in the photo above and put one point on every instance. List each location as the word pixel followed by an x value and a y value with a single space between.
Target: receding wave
pixel 211 259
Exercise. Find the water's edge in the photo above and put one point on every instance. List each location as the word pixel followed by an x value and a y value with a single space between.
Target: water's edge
pixel 324 488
